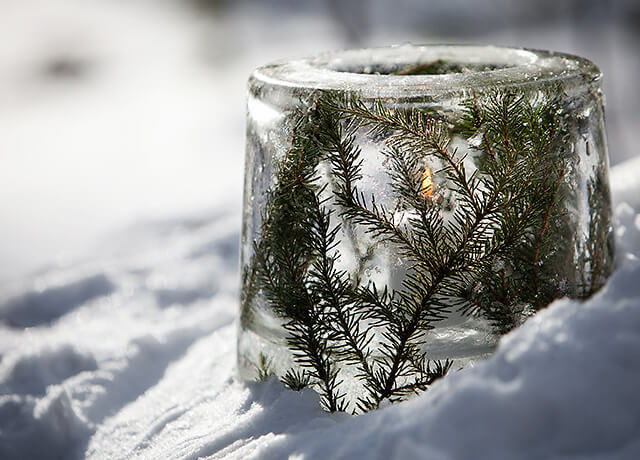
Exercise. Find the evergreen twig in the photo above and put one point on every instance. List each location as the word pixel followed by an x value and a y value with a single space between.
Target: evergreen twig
pixel 489 257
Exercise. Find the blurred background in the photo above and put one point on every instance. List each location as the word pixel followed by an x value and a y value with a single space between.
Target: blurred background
pixel 114 111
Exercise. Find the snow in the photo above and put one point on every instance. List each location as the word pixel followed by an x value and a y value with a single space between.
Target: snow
pixel 122 343
pixel 140 364
pixel 65 375
pixel 135 106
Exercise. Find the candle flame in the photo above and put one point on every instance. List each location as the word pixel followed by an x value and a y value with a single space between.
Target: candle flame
pixel 427 183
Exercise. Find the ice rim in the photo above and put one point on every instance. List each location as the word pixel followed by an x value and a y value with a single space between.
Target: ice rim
pixel 348 70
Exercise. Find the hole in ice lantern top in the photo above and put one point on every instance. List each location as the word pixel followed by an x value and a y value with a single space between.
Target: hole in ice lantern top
pixel 437 67
pixel 358 278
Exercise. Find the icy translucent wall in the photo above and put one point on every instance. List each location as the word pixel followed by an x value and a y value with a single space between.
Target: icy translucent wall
pixel 441 81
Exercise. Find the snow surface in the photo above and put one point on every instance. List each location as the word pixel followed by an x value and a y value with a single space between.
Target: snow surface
pixel 133 357
pixel 131 353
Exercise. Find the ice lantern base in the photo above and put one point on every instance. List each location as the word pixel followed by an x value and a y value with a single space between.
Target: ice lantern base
pixel 505 150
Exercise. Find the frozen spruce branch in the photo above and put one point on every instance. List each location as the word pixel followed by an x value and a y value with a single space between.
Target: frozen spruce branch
pixel 495 257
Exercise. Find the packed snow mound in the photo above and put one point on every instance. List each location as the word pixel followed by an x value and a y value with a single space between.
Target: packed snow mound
pixel 103 333
pixel 565 384
pixel 133 356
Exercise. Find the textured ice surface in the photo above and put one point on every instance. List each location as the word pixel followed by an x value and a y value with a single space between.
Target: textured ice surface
pixel 367 71
pixel 127 374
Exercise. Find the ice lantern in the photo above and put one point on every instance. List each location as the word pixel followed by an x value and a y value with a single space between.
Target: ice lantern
pixel 466 186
